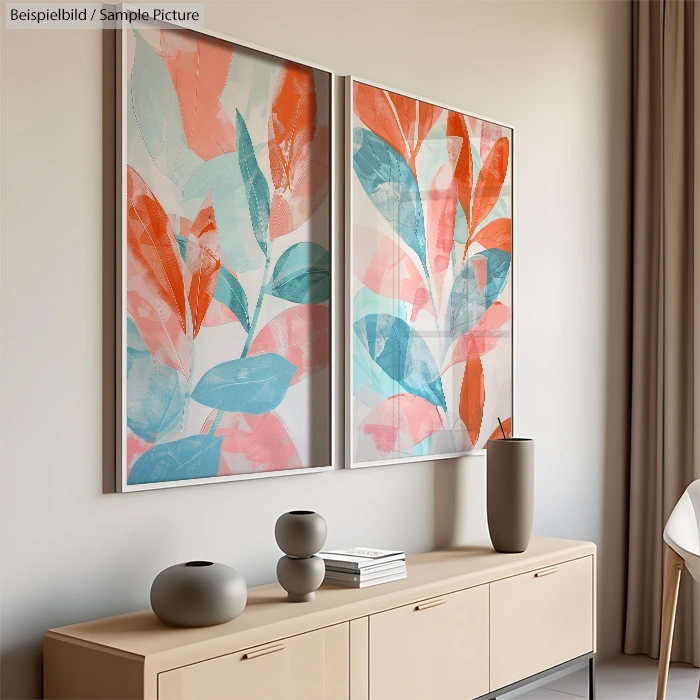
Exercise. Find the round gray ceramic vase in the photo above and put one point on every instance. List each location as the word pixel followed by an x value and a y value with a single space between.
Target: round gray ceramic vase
pixel 510 493
pixel 300 534
pixel 198 594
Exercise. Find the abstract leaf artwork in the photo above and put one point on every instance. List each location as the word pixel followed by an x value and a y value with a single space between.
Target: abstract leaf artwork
pixel 225 318
pixel 430 284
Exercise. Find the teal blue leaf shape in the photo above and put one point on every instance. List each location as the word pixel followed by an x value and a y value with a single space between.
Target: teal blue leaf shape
pixel 182 246
pixel 475 288
pixel 392 187
pixel 302 274
pixel 249 385
pixel 403 354
pixel 256 189
pixel 195 457
pixel 157 110
pixel 154 397
pixel 230 292
pixel 222 177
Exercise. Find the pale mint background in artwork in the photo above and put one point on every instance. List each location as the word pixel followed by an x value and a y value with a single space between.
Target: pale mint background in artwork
pixel 431 282
pixel 227 260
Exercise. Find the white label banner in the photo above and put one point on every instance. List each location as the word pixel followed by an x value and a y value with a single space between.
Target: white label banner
pixel 97 15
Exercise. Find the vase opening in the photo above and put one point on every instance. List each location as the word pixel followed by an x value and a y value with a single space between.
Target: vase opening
pixel 301 512
pixel 199 563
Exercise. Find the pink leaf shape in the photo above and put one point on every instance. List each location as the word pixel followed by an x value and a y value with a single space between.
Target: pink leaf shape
pixel 159 327
pixel 218 314
pixel 203 262
pixel 442 214
pixel 483 337
pixel 199 67
pixel 400 422
pixel 301 335
pixel 420 301
pixel 490 133
pixel 135 447
pixel 389 264
pixel 253 443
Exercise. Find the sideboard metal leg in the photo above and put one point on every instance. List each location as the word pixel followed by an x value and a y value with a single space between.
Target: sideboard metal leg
pixel 591 678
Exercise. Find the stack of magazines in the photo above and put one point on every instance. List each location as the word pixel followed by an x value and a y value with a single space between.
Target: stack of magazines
pixel 361 567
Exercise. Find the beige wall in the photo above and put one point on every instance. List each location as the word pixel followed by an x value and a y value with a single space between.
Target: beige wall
pixel 559 72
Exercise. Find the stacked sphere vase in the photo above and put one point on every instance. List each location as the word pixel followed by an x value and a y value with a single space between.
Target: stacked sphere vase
pixel 300 534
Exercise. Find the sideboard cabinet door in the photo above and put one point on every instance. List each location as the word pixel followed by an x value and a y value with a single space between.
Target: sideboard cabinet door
pixel 311 666
pixel 437 648
pixel 540 619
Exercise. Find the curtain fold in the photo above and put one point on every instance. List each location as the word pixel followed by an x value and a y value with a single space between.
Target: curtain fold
pixel 664 415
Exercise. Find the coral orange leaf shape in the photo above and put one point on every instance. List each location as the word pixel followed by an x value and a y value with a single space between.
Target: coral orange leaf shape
pixel 472 396
pixel 404 123
pixel 507 427
pixel 253 443
pixel 460 154
pixel 482 337
pixel 376 111
pixel 496 234
pixel 151 244
pixel 442 214
pixel 155 286
pixel 202 262
pixel 199 67
pixel 391 266
pixel 298 152
pixel 489 183
pixel 299 334
pixel 400 422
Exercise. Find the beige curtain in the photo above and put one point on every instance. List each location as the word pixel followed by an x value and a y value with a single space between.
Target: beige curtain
pixel 665 377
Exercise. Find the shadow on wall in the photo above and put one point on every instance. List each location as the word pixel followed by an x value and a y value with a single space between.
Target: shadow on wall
pixel 109 242
pixel 16 665
pixel 459 502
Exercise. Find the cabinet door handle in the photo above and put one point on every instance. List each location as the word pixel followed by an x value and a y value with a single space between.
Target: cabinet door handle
pixel 546 572
pixel 263 652
pixel 430 604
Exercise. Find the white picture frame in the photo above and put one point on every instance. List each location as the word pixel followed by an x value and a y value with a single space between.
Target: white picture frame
pixel 351 460
pixel 122 103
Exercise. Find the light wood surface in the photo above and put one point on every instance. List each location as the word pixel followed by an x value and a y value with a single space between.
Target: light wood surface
pixel 673 568
pixel 311 666
pixel 359 659
pixel 82 671
pixel 436 648
pixel 541 619
pixel 136 650
pixel 429 574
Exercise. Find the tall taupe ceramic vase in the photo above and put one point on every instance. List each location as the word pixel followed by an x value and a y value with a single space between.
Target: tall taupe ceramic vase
pixel 510 489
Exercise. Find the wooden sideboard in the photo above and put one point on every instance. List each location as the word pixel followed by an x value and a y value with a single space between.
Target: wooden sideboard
pixel 466 623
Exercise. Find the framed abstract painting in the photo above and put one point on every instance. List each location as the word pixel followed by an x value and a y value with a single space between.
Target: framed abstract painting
pixel 429 207
pixel 224 260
